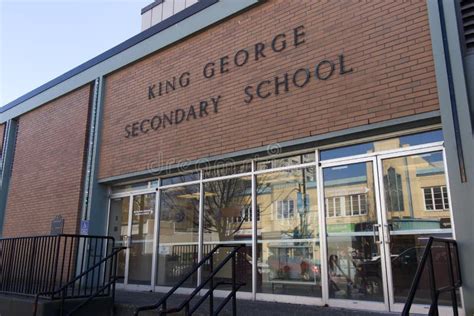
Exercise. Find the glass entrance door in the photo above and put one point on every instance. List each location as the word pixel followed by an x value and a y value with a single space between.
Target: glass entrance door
pixel 355 258
pixel 379 213
pixel 132 224
pixel 415 204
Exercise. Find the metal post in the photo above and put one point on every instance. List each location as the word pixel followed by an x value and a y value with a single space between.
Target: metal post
pixel 451 280
pixel 234 291
pixel 164 308
pixel 434 295
pixel 211 287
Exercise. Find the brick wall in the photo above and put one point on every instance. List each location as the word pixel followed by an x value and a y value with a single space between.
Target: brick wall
pixel 48 166
pixel 2 131
pixel 388 48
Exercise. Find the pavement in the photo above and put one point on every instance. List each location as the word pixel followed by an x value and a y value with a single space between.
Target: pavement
pixel 127 301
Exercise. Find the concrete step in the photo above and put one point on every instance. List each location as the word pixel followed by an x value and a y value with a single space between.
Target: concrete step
pixel 127 301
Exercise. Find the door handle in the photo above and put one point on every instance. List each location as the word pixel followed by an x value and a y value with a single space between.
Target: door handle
pixel 375 231
pixel 127 241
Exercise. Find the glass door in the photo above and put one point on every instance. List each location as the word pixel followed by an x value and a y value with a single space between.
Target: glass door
pixel 118 228
pixel 415 205
pixel 355 258
pixel 142 236
pixel 132 224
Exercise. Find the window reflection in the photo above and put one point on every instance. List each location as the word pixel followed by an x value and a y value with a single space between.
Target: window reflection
pixel 416 196
pixel 227 219
pixel 178 239
pixel 421 210
pixel 385 144
pixel 288 233
pixel 354 262
pixel 286 161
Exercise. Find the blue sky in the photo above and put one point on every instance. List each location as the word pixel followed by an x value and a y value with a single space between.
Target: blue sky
pixel 40 40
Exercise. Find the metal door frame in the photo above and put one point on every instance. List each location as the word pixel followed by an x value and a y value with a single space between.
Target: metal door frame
pixel 398 307
pixel 358 304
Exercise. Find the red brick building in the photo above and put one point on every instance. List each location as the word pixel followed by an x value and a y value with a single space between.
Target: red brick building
pixel 319 133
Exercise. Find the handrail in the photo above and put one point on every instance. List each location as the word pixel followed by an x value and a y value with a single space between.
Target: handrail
pixel 435 292
pixel 209 279
pixel 64 288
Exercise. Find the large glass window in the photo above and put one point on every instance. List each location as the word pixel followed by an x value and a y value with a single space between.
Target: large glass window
pixel 284 220
pixel 178 237
pixel 227 219
pixel 288 233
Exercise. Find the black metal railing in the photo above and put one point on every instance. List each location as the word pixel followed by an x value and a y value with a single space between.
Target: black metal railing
pixel 448 255
pixel 42 264
pixel 101 285
pixel 162 305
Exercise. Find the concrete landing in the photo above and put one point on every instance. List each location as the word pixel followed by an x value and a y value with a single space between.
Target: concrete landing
pixel 126 302
pixel 18 305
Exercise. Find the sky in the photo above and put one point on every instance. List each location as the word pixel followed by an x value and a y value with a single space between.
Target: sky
pixel 40 40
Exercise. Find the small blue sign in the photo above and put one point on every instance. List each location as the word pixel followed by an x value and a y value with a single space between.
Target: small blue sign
pixel 299 201
pixel 84 227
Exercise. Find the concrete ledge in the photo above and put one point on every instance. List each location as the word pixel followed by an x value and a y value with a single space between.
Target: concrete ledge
pixel 16 305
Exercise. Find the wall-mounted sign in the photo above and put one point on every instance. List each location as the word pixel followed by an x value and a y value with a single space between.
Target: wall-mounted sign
pixel 84 229
pixel 300 77
pixel 142 212
pixel 57 225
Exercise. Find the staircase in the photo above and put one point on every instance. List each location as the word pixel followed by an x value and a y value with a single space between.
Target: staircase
pixel 192 302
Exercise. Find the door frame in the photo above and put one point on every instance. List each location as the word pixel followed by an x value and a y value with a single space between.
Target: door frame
pixel 398 307
pixel 384 234
pixel 130 195
pixel 358 304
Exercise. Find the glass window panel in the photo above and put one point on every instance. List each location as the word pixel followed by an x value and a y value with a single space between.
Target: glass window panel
pixel 178 239
pixel 224 202
pixel 143 234
pixel 135 186
pixel 286 161
pixel 346 151
pixel 180 179
pixel 288 250
pixel 422 179
pixel 342 182
pixel 228 170
pixel 381 145
pixel 354 265
pixel 421 138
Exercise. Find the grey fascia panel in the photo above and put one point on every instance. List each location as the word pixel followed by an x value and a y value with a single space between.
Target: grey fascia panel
pixel 193 24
